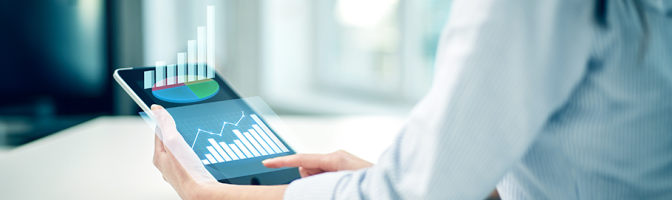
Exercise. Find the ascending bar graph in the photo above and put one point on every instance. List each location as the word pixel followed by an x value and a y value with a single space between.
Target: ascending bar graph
pixel 198 63
pixel 243 137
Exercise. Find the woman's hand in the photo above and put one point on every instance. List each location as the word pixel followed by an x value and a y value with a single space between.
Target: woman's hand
pixel 172 170
pixel 311 164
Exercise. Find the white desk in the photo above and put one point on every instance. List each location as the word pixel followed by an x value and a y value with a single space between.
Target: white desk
pixel 111 157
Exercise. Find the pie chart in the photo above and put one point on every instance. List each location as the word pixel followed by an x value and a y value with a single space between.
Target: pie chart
pixel 187 92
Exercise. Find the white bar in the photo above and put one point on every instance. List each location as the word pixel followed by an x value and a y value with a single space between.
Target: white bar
pixel 171 74
pixel 270 134
pixel 181 71
pixel 206 162
pixel 160 73
pixel 201 52
pixel 246 143
pixel 191 53
pixel 212 159
pixel 210 24
pixel 255 143
pixel 149 79
pixel 261 141
pixel 242 147
pixel 267 139
pixel 235 149
pixel 219 149
pixel 228 150
pixel 215 154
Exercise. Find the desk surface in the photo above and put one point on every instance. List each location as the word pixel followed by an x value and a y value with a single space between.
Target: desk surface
pixel 111 157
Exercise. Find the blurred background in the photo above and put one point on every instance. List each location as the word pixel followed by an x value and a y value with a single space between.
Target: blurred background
pixel 303 57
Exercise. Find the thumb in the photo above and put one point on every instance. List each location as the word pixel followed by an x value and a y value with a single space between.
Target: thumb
pixel 163 117
pixel 156 107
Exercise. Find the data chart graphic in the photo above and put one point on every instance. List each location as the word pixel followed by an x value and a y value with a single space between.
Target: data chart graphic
pixel 230 137
pixel 191 79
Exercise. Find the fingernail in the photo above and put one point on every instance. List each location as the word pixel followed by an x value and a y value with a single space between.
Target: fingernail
pixel 267 160
pixel 155 106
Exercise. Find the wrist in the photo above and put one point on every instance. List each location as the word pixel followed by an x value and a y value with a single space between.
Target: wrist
pixel 204 191
pixel 191 191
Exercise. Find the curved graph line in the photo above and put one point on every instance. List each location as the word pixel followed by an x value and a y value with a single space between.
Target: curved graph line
pixel 220 132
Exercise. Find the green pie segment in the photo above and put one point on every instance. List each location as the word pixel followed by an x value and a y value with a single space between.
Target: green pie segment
pixel 203 89
pixel 187 92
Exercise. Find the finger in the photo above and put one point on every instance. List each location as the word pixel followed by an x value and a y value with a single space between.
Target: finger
pixel 158 145
pixel 279 162
pixel 301 160
pixel 166 124
pixel 160 113
pixel 156 107
pixel 158 152
pixel 163 117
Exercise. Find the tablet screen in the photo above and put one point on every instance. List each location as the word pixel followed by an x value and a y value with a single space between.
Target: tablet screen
pixel 226 134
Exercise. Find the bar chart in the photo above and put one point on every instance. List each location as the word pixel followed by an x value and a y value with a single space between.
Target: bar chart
pixel 198 63
pixel 230 137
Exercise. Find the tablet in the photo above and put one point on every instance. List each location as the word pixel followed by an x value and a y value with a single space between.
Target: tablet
pixel 227 134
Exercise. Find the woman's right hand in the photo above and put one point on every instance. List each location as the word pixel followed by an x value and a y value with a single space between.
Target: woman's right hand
pixel 311 164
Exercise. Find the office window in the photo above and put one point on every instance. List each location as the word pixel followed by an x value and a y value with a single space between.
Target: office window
pixel 358 45
pixel 362 52
pixel 380 47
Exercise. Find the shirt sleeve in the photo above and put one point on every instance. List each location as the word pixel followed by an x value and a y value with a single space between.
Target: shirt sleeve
pixel 503 68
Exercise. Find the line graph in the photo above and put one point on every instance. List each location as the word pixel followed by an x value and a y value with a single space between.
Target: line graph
pixel 220 132
pixel 242 135
pixel 230 138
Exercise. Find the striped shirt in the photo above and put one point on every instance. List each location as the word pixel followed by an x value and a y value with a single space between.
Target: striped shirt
pixel 553 99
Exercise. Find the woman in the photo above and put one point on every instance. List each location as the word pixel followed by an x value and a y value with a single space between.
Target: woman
pixel 554 99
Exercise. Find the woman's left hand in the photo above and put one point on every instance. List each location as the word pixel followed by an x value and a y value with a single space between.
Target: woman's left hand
pixel 172 170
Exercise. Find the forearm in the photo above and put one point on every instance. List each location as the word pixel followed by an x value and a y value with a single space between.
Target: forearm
pixel 207 191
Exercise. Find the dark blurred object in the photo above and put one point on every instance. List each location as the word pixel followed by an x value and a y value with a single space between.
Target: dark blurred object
pixel 54 66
